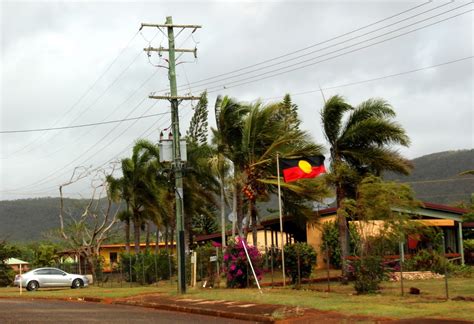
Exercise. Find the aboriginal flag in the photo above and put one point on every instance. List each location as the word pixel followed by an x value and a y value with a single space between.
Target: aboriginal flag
pixel 305 167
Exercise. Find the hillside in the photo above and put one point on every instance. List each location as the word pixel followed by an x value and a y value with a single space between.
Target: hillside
pixel 31 219
pixel 436 178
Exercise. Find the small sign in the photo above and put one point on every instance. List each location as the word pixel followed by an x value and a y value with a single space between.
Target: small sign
pixel 193 259
pixel 213 258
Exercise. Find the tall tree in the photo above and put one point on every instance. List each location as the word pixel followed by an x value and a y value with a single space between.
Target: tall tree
pixel 361 141
pixel 198 126
pixel 86 233
pixel 228 139
pixel 138 186
pixel 200 183
pixel 269 130
pixel 119 190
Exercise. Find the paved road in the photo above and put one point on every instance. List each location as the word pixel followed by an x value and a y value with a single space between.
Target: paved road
pixel 52 311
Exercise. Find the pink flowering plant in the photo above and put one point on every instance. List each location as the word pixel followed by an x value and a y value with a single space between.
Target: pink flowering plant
pixel 238 271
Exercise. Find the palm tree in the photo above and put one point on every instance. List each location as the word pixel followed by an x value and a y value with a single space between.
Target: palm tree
pixel 251 136
pixel 361 141
pixel 118 190
pixel 267 130
pixel 200 187
pixel 228 139
pixel 138 188
pixel 220 167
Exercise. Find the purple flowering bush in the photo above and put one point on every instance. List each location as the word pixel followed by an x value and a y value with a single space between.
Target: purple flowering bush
pixel 239 273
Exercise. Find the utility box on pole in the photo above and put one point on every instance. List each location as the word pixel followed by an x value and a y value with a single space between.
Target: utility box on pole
pixel 166 150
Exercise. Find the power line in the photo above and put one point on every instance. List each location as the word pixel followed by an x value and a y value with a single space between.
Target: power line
pixel 336 44
pixel 293 94
pixel 296 67
pixel 54 174
pixel 441 180
pixel 81 125
pixel 305 48
pixel 89 89
pixel 148 79
pixel 146 133
pixel 376 78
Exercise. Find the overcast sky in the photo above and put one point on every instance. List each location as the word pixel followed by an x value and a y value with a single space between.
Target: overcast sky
pixel 75 63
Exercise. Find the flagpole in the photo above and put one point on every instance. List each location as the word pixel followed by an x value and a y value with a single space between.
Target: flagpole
pixel 281 221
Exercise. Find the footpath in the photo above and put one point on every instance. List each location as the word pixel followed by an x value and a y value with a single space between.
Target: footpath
pixel 252 312
pixel 260 313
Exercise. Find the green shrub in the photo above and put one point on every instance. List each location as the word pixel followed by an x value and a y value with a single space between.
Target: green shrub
pixel 330 239
pixel 206 270
pixel 469 245
pixel 307 259
pixel 163 261
pixel 369 273
pixel 6 273
pixel 426 260
pixel 463 271
pixel 146 268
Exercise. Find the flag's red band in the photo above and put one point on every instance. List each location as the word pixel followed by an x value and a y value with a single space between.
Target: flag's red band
pixel 295 173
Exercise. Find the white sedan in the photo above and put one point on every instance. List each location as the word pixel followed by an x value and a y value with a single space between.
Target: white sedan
pixel 50 277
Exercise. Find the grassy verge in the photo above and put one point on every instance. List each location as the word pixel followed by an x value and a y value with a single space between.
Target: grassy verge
pixel 342 299
pixel 92 291
pixel 388 303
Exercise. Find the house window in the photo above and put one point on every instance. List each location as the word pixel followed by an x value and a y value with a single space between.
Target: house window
pixel 113 257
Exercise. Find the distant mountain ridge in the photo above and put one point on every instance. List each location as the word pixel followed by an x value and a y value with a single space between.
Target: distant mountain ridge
pixel 30 219
pixel 435 179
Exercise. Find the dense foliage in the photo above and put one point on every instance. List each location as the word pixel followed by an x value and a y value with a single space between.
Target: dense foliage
pixel 207 269
pixel 147 267
pixel 369 272
pixel 300 258
pixel 330 240
pixel 6 273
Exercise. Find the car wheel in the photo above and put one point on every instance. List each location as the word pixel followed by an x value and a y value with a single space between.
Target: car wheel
pixel 32 285
pixel 77 283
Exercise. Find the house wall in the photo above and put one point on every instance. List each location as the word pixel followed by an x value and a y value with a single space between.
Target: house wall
pixel 315 237
pixel 314 233
pixel 261 239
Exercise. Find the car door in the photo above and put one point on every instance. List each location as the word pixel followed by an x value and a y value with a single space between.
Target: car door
pixel 42 276
pixel 58 278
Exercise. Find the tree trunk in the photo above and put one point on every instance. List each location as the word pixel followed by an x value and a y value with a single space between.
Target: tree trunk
pixel 240 212
pixel 127 235
pixel 223 214
pixel 234 211
pixel 343 233
pixel 147 237
pixel 157 240
pixel 253 216
pixel 167 232
pixel 136 229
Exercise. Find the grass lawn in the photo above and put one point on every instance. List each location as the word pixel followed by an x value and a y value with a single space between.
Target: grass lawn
pixel 91 291
pixel 388 303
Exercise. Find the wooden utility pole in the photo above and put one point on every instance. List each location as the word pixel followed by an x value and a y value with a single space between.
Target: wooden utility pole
pixel 177 164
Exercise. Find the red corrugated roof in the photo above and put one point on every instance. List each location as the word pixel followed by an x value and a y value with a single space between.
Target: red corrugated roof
pixel 440 207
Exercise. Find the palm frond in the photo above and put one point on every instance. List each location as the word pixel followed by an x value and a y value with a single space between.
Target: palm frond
pixel 331 117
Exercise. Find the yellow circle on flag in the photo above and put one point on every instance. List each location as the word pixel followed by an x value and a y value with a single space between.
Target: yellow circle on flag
pixel 305 166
